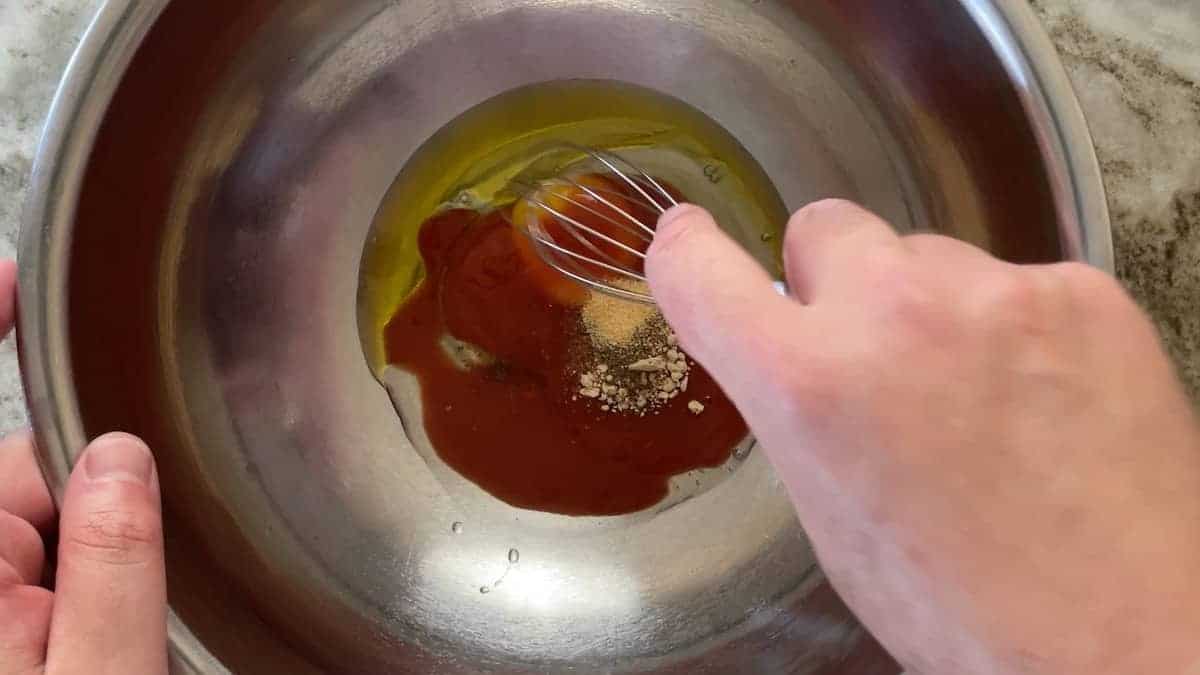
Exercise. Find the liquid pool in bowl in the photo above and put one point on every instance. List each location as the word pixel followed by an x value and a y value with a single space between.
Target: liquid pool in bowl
pixel 565 449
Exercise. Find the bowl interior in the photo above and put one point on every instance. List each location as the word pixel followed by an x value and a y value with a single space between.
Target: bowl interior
pixel 213 273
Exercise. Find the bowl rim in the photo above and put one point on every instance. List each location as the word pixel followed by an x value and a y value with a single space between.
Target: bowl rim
pixel 111 40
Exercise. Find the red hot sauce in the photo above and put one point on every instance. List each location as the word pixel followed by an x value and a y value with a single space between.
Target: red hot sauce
pixel 514 422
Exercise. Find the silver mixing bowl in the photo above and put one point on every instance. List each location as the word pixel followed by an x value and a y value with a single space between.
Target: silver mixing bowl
pixel 190 258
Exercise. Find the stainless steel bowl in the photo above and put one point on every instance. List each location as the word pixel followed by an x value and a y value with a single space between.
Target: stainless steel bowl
pixel 190 258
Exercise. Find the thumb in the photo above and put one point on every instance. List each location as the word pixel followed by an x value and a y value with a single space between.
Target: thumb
pixel 110 594
pixel 720 302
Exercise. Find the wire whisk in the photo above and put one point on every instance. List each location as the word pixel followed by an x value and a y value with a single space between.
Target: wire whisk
pixel 597 226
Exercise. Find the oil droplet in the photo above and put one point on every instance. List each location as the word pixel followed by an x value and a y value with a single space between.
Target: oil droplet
pixel 514 556
pixel 485 589
pixel 456 528
pixel 766 236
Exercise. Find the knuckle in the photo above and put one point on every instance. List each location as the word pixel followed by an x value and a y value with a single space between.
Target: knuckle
pixel 1091 286
pixel 902 300
pixel 21 547
pixel 821 219
pixel 1085 275
pixel 821 208
pixel 938 245
pixel 9 576
pixel 24 626
pixel 808 400
pixel 1014 300
pixel 116 536
pixel 1092 293
pixel 1011 292
pixel 813 393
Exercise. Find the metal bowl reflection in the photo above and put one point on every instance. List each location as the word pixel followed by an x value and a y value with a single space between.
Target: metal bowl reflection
pixel 189 268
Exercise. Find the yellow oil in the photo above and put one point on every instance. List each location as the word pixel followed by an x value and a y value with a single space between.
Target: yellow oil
pixel 472 161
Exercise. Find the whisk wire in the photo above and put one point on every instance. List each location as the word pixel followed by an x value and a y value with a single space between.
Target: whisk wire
pixel 531 192
pixel 635 200
pixel 538 234
pixel 577 227
pixel 570 267
pixel 607 159
pixel 594 254
pixel 625 272
pixel 644 232
pixel 589 264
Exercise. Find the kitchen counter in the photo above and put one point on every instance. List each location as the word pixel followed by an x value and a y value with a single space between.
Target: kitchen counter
pixel 1135 65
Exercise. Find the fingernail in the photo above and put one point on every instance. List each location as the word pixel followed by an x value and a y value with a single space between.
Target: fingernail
pixel 675 213
pixel 119 457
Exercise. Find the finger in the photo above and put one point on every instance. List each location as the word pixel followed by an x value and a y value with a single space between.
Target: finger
pixel 21 547
pixel 832 239
pixel 110 605
pixel 24 627
pixel 719 300
pixel 24 494
pixel 941 247
pixel 8 294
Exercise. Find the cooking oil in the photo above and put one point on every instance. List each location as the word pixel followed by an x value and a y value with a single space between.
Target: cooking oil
pixel 473 160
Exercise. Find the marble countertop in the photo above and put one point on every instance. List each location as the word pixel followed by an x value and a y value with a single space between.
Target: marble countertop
pixel 1135 65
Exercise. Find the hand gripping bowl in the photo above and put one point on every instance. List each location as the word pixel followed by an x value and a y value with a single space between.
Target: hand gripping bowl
pixel 190 252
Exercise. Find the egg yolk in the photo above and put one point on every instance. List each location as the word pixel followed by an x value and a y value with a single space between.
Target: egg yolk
pixel 600 203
